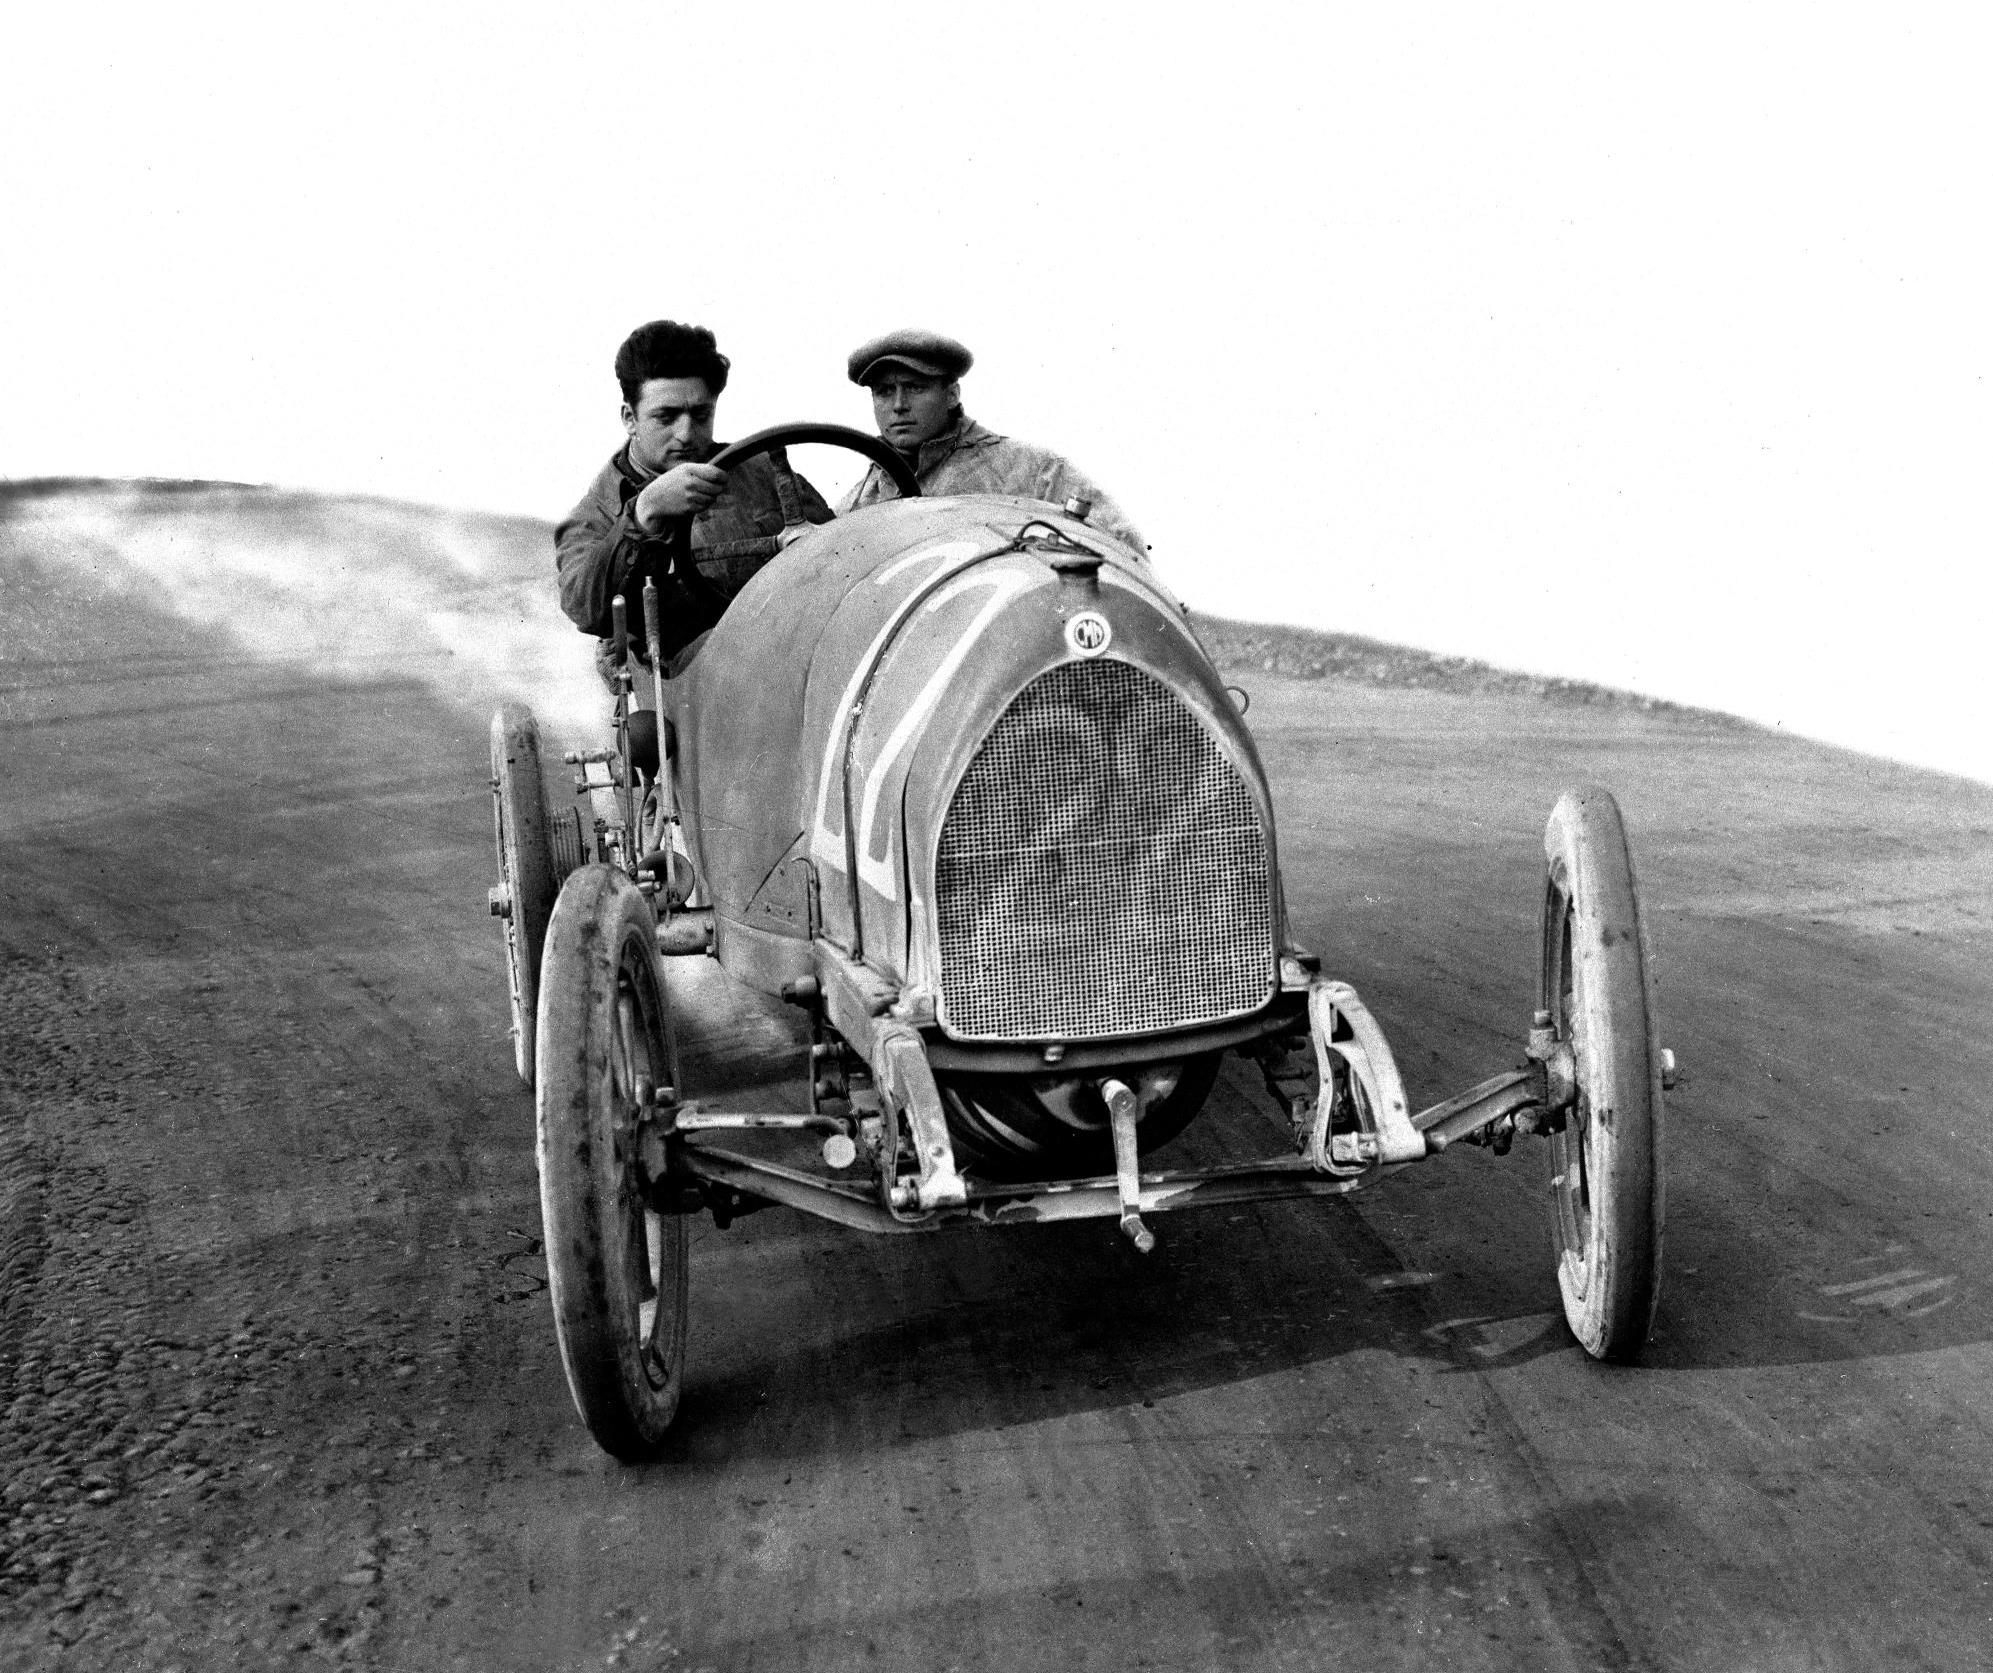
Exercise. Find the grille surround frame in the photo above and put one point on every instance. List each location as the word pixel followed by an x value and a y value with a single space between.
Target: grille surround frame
pixel 1104 868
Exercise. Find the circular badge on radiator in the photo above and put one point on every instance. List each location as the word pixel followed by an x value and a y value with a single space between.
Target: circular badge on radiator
pixel 1088 633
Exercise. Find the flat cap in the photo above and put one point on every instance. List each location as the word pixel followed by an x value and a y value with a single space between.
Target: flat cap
pixel 926 352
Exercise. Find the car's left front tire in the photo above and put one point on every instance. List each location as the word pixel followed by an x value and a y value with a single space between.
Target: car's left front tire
pixel 616 1268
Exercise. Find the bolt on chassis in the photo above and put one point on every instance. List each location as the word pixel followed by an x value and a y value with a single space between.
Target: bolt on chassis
pixel 955 777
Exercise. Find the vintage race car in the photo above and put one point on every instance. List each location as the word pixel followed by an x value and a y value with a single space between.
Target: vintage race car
pixel 955 777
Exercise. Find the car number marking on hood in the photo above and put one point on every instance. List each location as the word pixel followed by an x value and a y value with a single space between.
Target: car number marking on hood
pixel 945 549
pixel 1088 633
pixel 826 845
pixel 1004 585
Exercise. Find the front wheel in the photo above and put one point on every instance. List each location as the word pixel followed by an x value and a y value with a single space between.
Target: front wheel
pixel 615 1267
pixel 1605 1163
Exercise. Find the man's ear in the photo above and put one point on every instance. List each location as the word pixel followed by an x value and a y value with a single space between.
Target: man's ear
pixel 629 419
pixel 955 394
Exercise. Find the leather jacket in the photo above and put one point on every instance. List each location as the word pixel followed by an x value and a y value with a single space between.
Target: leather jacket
pixel 600 550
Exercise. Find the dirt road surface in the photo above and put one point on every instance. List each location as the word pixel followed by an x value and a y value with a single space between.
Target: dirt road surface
pixel 278 1380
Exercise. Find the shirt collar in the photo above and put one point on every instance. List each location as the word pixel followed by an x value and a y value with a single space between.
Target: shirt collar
pixel 964 432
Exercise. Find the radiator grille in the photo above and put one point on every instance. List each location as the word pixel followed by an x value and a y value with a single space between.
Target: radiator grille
pixel 1102 869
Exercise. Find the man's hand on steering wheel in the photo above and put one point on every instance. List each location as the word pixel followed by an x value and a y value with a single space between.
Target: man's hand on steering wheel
pixel 686 489
pixel 679 492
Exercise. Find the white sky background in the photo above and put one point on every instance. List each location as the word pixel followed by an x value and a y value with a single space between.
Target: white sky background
pixel 1650 350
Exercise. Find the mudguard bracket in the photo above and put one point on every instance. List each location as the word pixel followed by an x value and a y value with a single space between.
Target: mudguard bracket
pixel 1386 1134
pixel 906 1083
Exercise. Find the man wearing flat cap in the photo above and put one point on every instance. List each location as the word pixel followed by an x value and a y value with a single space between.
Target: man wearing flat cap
pixel 915 380
pixel 658 510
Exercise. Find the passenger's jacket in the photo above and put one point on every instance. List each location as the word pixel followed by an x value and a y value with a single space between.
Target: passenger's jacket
pixel 600 550
pixel 967 459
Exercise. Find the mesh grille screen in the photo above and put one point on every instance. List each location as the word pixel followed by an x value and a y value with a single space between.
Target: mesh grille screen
pixel 1102 869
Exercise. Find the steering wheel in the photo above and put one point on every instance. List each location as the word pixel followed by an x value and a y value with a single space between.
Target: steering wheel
pixel 695 607
pixel 835 435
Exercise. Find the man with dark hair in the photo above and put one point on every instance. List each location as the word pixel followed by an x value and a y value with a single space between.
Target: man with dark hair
pixel 916 382
pixel 632 522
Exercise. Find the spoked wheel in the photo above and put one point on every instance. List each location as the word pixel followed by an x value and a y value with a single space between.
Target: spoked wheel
pixel 1605 1164
pixel 528 874
pixel 615 1267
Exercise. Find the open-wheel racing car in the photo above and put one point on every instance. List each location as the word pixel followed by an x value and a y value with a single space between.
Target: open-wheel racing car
pixel 955 777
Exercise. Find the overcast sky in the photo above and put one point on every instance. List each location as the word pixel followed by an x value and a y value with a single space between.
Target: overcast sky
pixel 1643 348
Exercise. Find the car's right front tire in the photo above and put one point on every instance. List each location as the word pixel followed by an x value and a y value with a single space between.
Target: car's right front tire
pixel 1606 1182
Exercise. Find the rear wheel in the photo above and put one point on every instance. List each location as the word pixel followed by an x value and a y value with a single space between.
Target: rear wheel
pixel 1606 1196
pixel 528 875
pixel 615 1267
